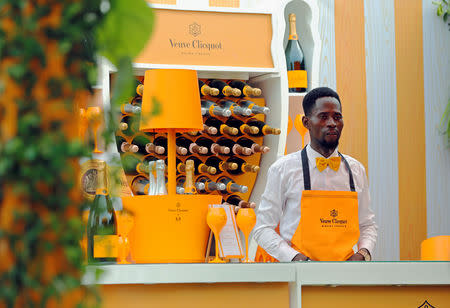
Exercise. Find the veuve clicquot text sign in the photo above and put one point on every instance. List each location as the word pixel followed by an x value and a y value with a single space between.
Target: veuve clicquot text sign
pixel 210 39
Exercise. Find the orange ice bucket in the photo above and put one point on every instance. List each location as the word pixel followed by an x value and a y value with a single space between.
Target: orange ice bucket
pixel 169 228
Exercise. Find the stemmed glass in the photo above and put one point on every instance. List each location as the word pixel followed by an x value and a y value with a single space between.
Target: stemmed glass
pixel 125 222
pixel 94 115
pixel 302 130
pixel 246 220
pixel 216 220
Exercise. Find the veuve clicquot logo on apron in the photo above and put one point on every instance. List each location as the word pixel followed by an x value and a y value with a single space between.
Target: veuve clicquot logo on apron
pixel 334 221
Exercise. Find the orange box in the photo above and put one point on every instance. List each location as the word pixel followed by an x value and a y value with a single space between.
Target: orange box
pixel 169 228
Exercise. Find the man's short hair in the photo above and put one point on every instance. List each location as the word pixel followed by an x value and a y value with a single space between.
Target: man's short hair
pixel 310 99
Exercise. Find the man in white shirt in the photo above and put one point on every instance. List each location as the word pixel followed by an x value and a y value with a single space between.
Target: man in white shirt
pixel 323 210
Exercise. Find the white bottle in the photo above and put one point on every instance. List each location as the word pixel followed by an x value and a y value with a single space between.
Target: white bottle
pixel 151 179
pixel 160 178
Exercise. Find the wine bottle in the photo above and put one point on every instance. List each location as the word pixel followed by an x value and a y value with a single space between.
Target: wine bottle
pixel 140 141
pixel 207 90
pixel 213 148
pixel 239 202
pixel 160 177
pixel 242 166
pixel 140 89
pixel 220 165
pixel 139 185
pixel 137 101
pixel 242 127
pixel 205 185
pixel 235 109
pixel 256 148
pixel 236 149
pixel 129 163
pixel 264 129
pixel 102 221
pixel 129 125
pixel 221 127
pixel 246 90
pixel 224 88
pixel 123 146
pixel 295 60
pixel 189 187
pixel 253 107
pixel 191 146
pixel 231 186
pixel 210 108
pixel 199 166
pixel 130 109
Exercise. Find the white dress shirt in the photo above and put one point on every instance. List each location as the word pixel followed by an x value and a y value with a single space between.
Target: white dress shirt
pixel 280 202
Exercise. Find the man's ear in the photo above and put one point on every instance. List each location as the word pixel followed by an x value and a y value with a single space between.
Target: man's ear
pixel 305 121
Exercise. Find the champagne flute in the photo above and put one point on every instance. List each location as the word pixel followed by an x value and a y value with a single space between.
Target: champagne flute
pixel 246 220
pixel 125 222
pixel 216 220
pixel 94 115
pixel 302 130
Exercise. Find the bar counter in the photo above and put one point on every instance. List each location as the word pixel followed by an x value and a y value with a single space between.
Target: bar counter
pixel 307 284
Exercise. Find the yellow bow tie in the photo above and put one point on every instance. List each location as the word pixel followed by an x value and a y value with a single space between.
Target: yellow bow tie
pixel 333 162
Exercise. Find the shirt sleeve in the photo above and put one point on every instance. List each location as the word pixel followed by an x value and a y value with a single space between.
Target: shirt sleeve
pixel 268 217
pixel 367 226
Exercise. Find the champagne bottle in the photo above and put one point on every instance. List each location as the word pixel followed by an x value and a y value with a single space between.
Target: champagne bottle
pixel 205 185
pixel 213 148
pixel 130 109
pixel 206 90
pixel 140 141
pixel 242 166
pixel 137 102
pixel 151 191
pixel 221 127
pixel 140 89
pixel 220 165
pixel 295 60
pixel 242 127
pixel 239 203
pixel 210 108
pixel 253 107
pixel 160 177
pixel 191 146
pixel 231 186
pixel 189 187
pixel 264 129
pixel 123 146
pixel 235 109
pixel 246 89
pixel 139 185
pixel 102 220
pixel 236 149
pixel 224 88
pixel 129 163
pixel 256 148
pixel 199 166
pixel 129 125
pixel 180 184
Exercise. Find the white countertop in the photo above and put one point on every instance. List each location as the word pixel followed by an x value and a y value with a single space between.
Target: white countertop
pixel 299 273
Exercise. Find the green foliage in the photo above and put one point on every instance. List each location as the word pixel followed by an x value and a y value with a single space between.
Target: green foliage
pixel 49 51
pixel 443 9
pixel 445 123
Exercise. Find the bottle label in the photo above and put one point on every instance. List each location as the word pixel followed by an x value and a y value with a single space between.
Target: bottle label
pixel 293 37
pixel 297 79
pixel 105 246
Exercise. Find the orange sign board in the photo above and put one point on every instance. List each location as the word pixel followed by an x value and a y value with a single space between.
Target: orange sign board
pixel 209 38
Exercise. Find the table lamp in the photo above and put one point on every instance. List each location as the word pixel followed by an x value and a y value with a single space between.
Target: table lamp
pixel 170 228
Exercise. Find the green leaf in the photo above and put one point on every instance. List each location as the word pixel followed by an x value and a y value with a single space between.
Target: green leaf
pixel 124 85
pixel 125 29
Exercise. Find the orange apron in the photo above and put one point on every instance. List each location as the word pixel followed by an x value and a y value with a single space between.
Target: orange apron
pixel 329 225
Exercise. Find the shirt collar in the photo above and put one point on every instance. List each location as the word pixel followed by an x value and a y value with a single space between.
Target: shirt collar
pixel 313 154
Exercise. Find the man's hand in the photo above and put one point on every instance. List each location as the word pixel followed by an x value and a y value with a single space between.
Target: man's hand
pixel 300 257
pixel 356 257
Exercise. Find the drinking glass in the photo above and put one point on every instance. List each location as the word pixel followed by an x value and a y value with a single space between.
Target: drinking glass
pixel 216 220
pixel 246 220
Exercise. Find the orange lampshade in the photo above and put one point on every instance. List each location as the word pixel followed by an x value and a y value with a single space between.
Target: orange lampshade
pixel 176 90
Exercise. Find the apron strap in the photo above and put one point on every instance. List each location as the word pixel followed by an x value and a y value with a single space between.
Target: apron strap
pixel 305 167
pixel 307 178
pixel 350 174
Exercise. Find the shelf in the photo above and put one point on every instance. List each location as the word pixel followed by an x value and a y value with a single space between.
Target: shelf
pixel 297 94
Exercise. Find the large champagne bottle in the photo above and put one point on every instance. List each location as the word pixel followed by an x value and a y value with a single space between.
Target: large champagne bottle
pixel 210 108
pixel 206 90
pixel 221 127
pixel 253 107
pixel 235 109
pixel 264 129
pixel 224 88
pixel 102 222
pixel 295 60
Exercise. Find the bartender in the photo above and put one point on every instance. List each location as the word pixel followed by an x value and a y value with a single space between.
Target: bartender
pixel 316 205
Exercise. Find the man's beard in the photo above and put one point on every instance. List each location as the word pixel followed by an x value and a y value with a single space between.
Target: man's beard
pixel 330 145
